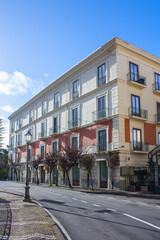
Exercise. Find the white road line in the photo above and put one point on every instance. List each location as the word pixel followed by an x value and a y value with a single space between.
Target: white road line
pixel 110 209
pixel 105 213
pixel 66 196
pixel 57 194
pixel 96 205
pixel 141 203
pixel 125 200
pixel 74 199
pixel 140 220
pixel 112 198
pixel 84 201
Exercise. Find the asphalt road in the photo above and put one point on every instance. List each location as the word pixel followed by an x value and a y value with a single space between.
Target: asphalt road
pixel 96 216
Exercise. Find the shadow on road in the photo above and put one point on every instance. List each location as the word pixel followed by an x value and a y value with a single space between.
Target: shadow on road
pixel 104 220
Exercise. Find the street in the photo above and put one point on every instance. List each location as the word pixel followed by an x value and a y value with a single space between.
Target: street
pixel 97 216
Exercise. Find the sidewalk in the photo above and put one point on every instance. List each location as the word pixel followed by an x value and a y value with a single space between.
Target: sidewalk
pixel 21 220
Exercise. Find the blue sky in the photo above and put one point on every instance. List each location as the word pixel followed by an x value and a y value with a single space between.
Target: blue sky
pixel 42 39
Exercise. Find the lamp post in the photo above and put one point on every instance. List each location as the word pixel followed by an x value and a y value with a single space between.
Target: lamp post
pixel 28 136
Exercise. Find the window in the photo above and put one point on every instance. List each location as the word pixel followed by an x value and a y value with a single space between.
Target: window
pixel 158 112
pixel 136 105
pixel 19 138
pixel 43 129
pixel 56 100
pixel 75 89
pixel 55 124
pixel 19 157
pixel 159 138
pixel 74 142
pixel 31 115
pixel 42 150
pixel 101 107
pixel 157 81
pixel 54 146
pixel 74 117
pixel 44 107
pixel 101 74
pixel 137 139
pixel 102 143
pixel 12 127
pixel 20 122
pixel 133 72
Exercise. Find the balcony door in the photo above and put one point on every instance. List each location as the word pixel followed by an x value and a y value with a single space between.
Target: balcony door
pixel 74 117
pixel 158 112
pixel 157 81
pixel 133 72
pixel 103 174
pixel 137 139
pixel 136 105
pixel 102 144
pixel 101 107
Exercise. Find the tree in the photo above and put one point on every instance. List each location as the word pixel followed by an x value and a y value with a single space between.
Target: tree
pixel 87 162
pixel 51 160
pixel 15 166
pixel 3 164
pixel 113 162
pixel 68 158
pixel 35 164
pixel 2 131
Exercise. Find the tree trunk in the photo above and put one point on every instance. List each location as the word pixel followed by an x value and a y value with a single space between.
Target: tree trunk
pixel 37 181
pixel 69 183
pixel 50 177
pixel 16 175
pixel 87 179
pixel 91 180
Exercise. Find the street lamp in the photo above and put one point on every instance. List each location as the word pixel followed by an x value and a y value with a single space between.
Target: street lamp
pixel 28 137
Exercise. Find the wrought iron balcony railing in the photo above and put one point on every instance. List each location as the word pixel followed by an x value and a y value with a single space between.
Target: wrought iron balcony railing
pixel 139 146
pixel 103 113
pixel 42 134
pixel 133 77
pixel 156 87
pixel 75 95
pixel 54 130
pixel 138 112
pixel 19 143
pixel 101 81
pixel 157 116
pixel 74 123
pixel 56 105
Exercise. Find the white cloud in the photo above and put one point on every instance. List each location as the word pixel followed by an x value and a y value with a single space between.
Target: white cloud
pixel 14 83
pixel 7 108
pixel 46 74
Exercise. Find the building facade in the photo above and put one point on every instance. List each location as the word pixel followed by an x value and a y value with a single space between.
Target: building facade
pixel 110 101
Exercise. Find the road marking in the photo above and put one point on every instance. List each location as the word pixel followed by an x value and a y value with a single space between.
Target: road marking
pixel 7 208
pixel 57 194
pixel 140 220
pixel 66 196
pixel 141 203
pixel 110 209
pixel 84 201
pixel 125 200
pixel 105 213
pixel 74 199
pixel 96 205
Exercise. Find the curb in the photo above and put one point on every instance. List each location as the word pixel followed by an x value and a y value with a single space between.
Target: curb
pixel 59 225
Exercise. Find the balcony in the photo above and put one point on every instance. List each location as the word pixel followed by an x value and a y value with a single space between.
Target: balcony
pixel 54 131
pixel 56 105
pixel 156 88
pixel 31 119
pixel 101 148
pixel 74 124
pixel 100 115
pixel 42 135
pixel 11 146
pixel 101 81
pixel 75 95
pixel 157 118
pixel 138 113
pixel 139 147
pixel 44 111
pixel 136 80
pixel 19 143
